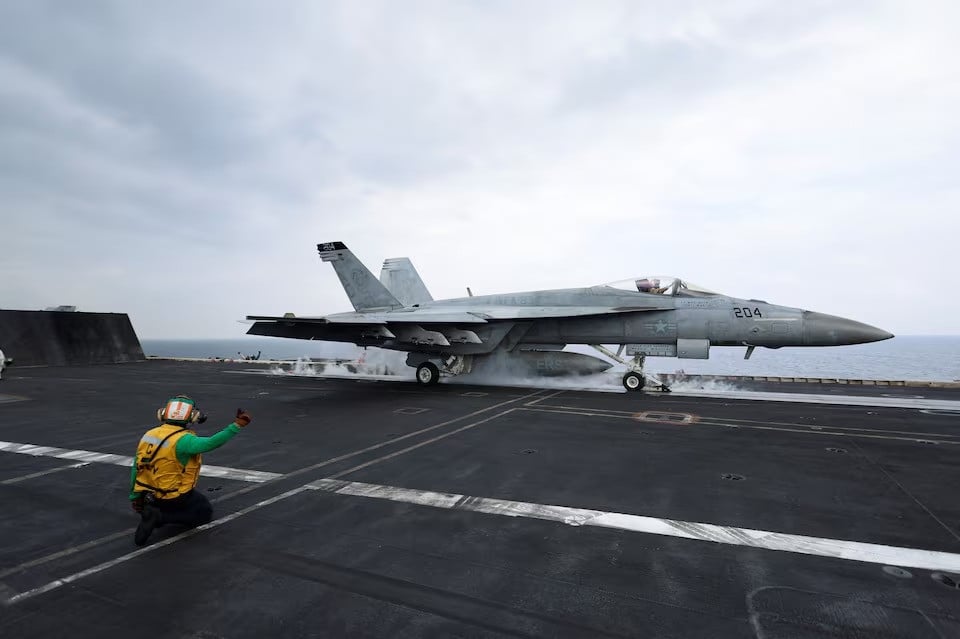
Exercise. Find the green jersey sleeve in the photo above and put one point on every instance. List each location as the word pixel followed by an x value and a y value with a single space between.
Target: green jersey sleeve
pixel 190 445
pixel 133 479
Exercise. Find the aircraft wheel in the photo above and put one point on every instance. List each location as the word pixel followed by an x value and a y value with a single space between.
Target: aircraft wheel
pixel 428 374
pixel 633 381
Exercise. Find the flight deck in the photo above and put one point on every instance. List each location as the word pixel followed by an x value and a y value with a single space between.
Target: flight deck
pixel 361 507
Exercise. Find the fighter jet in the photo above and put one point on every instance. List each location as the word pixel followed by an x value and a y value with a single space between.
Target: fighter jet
pixel 646 316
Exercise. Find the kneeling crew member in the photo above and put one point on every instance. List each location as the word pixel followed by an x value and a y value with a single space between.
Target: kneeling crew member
pixel 167 466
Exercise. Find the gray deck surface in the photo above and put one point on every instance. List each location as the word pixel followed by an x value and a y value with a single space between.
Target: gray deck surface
pixel 313 563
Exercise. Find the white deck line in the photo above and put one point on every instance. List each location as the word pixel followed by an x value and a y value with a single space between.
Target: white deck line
pixel 42 473
pixel 824 547
pixel 240 474
pixel 840 400
pixel 56 583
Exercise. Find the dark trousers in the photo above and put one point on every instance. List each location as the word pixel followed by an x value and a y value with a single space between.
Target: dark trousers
pixel 190 510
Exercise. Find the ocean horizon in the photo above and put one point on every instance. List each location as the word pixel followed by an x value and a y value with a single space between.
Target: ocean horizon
pixel 909 357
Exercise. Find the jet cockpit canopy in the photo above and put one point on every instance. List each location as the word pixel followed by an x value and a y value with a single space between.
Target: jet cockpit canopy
pixel 662 285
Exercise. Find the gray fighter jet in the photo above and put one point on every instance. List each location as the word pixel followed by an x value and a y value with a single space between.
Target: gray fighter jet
pixel 646 317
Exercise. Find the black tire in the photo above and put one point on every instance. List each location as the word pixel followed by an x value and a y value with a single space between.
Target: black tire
pixel 428 374
pixel 633 381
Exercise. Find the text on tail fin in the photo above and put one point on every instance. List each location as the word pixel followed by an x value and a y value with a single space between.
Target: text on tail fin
pixel 363 289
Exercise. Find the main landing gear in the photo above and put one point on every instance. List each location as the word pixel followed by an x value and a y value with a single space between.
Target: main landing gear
pixel 429 370
pixel 428 374
pixel 634 379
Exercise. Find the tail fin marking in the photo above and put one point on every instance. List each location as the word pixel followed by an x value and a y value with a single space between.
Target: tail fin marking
pixel 363 289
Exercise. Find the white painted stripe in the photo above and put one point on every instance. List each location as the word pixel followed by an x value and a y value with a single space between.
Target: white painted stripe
pixel 426 442
pixel 543 397
pixel 53 585
pixel 236 493
pixel 824 547
pixel 16 480
pixel 708 420
pixel 809 398
pixel 806 429
pixel 240 474
pixel 827 430
pixel 66 552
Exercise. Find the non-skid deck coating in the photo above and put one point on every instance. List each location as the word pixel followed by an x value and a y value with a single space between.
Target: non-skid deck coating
pixel 353 508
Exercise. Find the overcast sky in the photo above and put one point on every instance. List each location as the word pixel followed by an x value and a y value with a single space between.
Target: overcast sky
pixel 179 161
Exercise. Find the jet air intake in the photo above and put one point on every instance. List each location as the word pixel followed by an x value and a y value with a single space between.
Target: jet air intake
pixel 693 348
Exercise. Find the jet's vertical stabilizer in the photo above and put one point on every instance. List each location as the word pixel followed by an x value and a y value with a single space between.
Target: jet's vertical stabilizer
pixel 402 279
pixel 363 289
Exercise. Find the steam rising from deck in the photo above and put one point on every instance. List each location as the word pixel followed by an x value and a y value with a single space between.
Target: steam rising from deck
pixel 381 364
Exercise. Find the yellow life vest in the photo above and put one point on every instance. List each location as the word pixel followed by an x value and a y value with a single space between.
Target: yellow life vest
pixel 158 469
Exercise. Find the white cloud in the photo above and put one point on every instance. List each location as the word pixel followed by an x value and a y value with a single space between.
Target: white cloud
pixel 806 156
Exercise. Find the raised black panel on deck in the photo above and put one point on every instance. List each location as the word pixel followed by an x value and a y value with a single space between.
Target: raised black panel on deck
pixel 56 338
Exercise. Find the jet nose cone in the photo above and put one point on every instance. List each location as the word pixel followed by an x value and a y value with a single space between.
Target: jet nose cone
pixel 820 329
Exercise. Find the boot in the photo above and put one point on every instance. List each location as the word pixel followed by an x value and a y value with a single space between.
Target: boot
pixel 149 519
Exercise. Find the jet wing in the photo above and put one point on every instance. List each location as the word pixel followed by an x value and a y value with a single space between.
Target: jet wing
pixel 409 316
pixel 416 316
pixel 415 329
pixel 318 328
pixel 555 312
pixel 480 326
pixel 475 315
pixel 293 319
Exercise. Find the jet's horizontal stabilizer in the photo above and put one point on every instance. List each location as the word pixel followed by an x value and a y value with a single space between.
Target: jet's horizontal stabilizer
pixel 363 289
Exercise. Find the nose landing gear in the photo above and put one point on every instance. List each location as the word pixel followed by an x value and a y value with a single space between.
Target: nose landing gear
pixel 634 379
